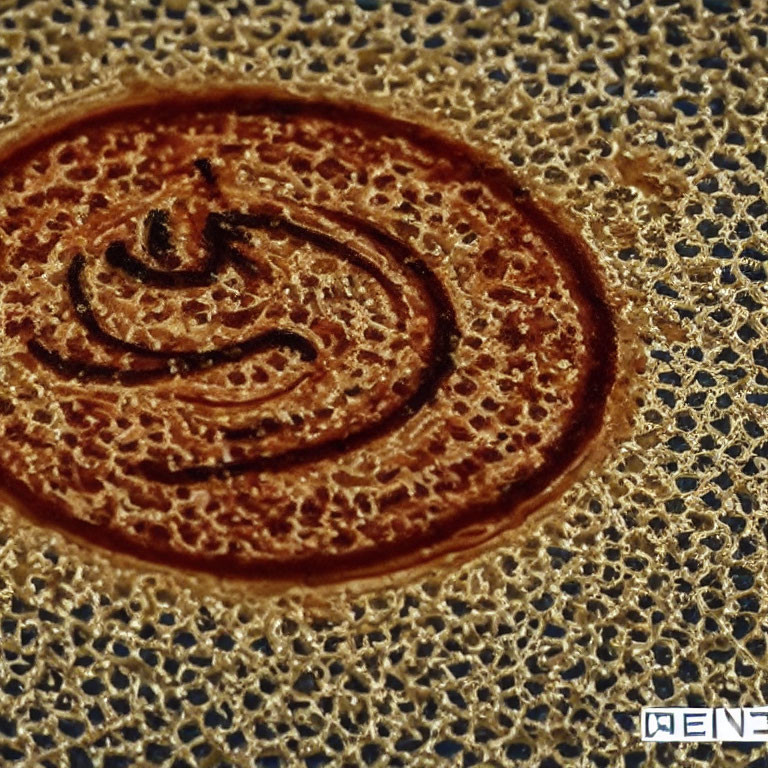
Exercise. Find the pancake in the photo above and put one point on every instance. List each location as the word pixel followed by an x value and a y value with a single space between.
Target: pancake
pixel 267 336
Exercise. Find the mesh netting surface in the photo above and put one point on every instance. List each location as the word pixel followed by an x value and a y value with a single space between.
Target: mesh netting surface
pixel 645 123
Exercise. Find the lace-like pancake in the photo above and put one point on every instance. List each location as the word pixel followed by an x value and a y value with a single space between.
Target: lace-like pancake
pixel 266 336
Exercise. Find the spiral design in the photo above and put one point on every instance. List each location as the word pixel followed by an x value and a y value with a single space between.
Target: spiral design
pixel 267 336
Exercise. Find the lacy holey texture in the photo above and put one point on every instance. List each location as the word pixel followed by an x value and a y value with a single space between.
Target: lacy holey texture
pixel 395 276
pixel 271 335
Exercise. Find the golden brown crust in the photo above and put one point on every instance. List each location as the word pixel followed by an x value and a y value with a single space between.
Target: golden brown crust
pixel 268 336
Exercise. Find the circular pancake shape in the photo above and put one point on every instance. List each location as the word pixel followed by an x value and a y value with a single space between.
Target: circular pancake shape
pixel 265 336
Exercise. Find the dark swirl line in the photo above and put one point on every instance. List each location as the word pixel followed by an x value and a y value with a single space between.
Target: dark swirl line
pixel 174 361
pixel 220 233
pixel 159 242
pixel 203 164
pixel 437 366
